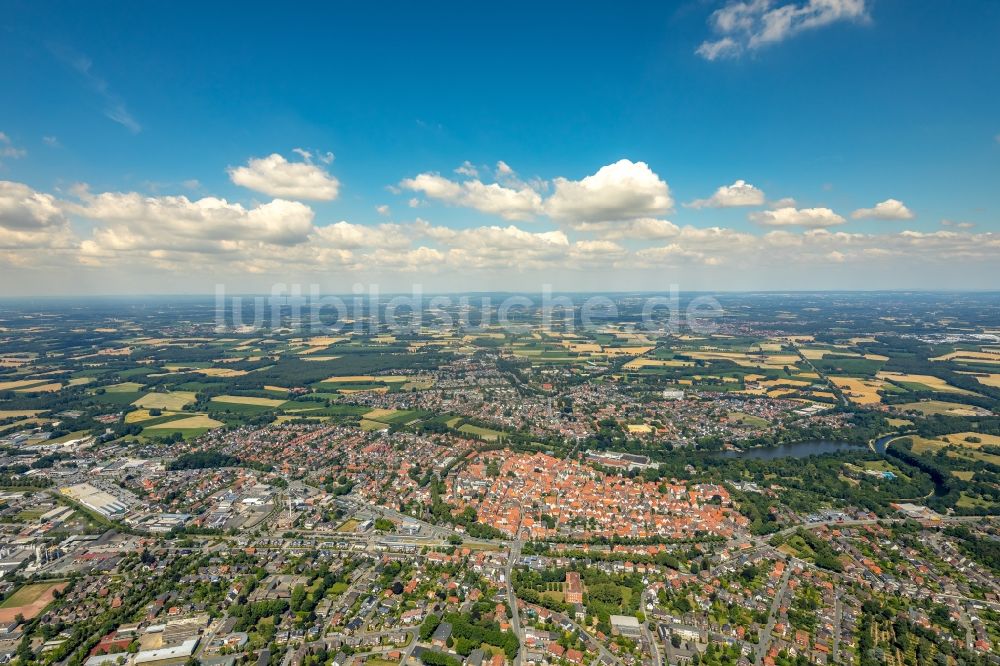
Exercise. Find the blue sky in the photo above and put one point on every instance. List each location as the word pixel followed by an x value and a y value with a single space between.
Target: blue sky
pixel 852 103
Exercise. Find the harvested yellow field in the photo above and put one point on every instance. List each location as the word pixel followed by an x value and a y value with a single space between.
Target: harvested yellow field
pixel 785 382
pixel 823 394
pixel 356 379
pixel 639 428
pixel 368 425
pixel 377 389
pixel 923 444
pixel 637 363
pixel 582 347
pixel 16 384
pixel 780 393
pixel 248 400
pixel 970 355
pixel 770 362
pixel 174 401
pixel 320 358
pixel 859 391
pixel 140 415
pixel 984 440
pixel 627 351
pixel 857 341
pixel 930 381
pixel 875 357
pixel 310 350
pixel 18 413
pixel 44 388
pixel 190 423
pixel 989 380
pixel 285 418
pixel 221 372
pixel 379 414
pixel 324 340
pixel 813 354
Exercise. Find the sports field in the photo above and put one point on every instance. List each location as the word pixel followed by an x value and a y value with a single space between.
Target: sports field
pixel 29 600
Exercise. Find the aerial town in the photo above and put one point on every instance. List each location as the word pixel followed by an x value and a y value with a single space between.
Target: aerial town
pixel 769 492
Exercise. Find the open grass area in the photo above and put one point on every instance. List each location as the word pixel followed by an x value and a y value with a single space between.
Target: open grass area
pixel 749 419
pixel 485 433
pixel 349 525
pixel 380 414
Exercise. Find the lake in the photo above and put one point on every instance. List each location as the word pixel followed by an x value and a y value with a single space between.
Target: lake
pixel 797 450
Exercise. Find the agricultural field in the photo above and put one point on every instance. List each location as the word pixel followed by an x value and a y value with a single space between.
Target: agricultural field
pixel 249 400
pixel 174 400
pixel 921 382
pixel 937 407
pixel 860 391
pixel 188 423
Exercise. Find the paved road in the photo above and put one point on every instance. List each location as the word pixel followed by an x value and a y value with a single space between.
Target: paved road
pixel 765 636
pixel 515 621
pixel 650 636
pixel 838 611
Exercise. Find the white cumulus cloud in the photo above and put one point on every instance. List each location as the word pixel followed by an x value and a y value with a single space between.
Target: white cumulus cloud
pixel 890 209
pixel 136 222
pixel 30 219
pixel 277 177
pixel 810 218
pixel 740 193
pixel 624 190
pixel 492 198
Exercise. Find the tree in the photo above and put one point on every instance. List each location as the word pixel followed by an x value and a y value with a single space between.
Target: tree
pixel 428 626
